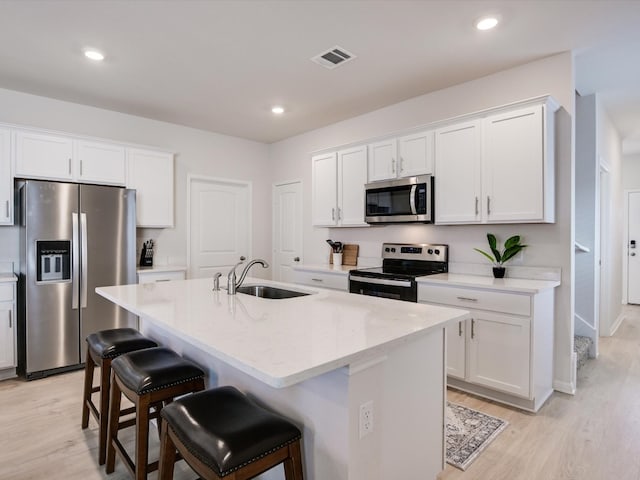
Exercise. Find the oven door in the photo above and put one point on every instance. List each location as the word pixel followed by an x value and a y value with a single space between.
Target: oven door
pixel 397 289
pixel 404 200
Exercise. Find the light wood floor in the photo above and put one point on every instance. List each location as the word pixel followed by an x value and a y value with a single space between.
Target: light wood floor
pixel 594 435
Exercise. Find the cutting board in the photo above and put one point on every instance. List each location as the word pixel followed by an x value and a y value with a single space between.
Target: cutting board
pixel 349 255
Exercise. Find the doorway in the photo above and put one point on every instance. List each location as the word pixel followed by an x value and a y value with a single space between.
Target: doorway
pixel 633 246
pixel 287 229
pixel 219 225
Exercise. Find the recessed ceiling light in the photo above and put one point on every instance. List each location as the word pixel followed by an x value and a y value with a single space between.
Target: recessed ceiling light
pixel 94 55
pixel 487 23
pixel 277 110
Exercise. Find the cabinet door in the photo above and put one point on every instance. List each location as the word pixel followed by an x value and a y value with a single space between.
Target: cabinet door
pixel 352 177
pixel 499 352
pixel 457 173
pixel 514 166
pixel 382 160
pixel 7 326
pixel 101 163
pixel 6 179
pixel 40 155
pixel 325 189
pixel 415 154
pixel 151 174
pixel 456 358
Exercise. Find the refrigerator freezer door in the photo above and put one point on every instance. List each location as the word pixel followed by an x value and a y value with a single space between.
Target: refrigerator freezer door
pixel 51 325
pixel 108 223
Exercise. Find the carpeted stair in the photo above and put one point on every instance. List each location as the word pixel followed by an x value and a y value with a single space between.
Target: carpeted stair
pixel 582 345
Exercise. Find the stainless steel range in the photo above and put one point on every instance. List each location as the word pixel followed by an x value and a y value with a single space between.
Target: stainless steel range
pixel 401 264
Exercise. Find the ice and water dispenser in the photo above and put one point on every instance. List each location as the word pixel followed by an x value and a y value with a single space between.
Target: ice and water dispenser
pixel 54 260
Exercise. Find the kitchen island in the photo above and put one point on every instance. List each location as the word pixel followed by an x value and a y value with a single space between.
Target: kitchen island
pixel 363 377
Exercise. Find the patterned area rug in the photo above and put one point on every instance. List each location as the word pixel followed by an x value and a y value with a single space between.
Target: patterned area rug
pixel 468 433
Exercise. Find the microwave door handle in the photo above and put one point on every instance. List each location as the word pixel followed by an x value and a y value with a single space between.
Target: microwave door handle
pixel 412 199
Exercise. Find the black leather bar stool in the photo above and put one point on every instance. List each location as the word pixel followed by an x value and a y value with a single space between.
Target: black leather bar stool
pixel 149 378
pixel 221 433
pixel 102 348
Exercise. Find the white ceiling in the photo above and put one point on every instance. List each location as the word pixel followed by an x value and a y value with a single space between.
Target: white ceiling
pixel 221 65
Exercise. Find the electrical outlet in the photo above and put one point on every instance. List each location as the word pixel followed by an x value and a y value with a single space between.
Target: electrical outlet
pixel 366 418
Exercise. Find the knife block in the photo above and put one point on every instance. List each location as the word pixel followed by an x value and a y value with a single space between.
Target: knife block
pixel 146 257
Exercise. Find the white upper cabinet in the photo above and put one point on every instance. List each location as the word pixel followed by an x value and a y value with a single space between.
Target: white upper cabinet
pixel 151 174
pixel 352 177
pixel 382 160
pixel 401 157
pixel 99 162
pixel 457 176
pixel 41 155
pixel 497 169
pixel 516 168
pixel 415 154
pixel 338 188
pixel 6 179
pixel 325 189
pixel 57 157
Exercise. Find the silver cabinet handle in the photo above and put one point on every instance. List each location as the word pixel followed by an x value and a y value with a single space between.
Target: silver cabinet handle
pixel 7 204
pixel 317 279
pixel 163 280
pixel 69 166
pixel 477 206
pixel 80 167
pixel 473 329
pixel 468 299
pixel 459 329
pixel 401 164
pixel 296 259
pixel 393 165
pixel 10 319
pixel 333 214
pixel 75 258
pixel 339 213
pixel 488 205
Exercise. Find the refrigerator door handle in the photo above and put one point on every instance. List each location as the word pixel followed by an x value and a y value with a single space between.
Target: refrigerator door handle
pixel 83 243
pixel 75 258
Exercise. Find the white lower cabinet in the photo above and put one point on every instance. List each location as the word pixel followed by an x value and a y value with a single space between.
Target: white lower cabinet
pixel 505 350
pixel 7 330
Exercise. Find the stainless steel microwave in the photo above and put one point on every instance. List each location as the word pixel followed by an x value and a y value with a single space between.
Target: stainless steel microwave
pixel 405 200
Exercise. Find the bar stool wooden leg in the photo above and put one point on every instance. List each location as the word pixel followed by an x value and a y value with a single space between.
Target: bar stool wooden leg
pixel 114 418
pixel 293 464
pixel 89 368
pixel 142 437
pixel 105 379
pixel 167 453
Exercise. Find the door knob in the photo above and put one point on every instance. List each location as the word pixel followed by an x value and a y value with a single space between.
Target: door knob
pixel 633 254
pixel 296 259
pixel 243 258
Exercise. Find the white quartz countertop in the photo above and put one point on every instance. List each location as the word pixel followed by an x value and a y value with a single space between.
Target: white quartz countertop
pixel 7 277
pixel 281 342
pixel 476 281
pixel 326 268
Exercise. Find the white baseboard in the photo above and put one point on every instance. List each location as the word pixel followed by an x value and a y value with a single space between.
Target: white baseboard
pixel 616 324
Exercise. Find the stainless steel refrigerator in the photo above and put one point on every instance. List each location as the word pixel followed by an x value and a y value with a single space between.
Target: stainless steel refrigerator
pixel 73 238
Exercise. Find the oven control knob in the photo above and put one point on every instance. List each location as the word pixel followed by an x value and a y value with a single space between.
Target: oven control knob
pixel 437 251
pixel 393 250
pixel 387 249
pixel 429 251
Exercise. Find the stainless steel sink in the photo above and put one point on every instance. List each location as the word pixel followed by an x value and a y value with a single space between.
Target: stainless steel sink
pixel 266 291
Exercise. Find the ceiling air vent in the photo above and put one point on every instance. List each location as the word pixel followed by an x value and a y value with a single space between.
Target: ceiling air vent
pixel 333 57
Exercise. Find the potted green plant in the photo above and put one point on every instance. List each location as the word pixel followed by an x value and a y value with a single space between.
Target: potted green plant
pixel 512 247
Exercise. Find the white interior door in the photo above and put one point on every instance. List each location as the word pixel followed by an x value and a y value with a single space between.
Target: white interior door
pixel 633 249
pixel 219 225
pixel 287 229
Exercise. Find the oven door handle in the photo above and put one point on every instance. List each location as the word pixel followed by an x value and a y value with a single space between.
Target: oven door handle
pixel 381 281
pixel 412 199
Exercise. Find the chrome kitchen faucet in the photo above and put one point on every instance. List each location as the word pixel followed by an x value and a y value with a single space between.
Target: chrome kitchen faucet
pixel 232 285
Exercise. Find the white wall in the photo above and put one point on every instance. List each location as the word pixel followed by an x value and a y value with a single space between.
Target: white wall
pixel 587 169
pixel 551 245
pixel 197 152
pixel 609 148
pixel 631 172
